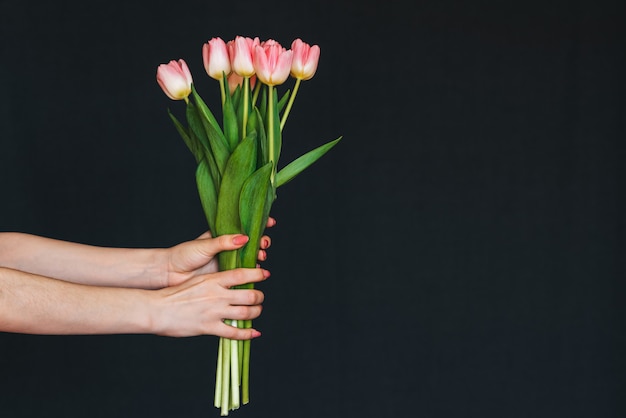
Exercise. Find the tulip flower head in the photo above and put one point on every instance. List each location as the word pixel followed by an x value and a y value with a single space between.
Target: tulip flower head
pixel 216 59
pixel 305 59
pixel 242 51
pixel 272 63
pixel 175 79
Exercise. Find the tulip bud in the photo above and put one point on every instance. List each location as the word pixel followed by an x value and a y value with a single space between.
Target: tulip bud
pixel 305 59
pixel 242 55
pixel 216 59
pixel 272 63
pixel 175 79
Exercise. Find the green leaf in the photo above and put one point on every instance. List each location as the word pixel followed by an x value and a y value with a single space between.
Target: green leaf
pixel 298 165
pixel 199 135
pixel 206 112
pixel 283 101
pixel 194 146
pixel 231 128
pixel 240 166
pixel 195 126
pixel 208 194
pixel 252 212
pixel 216 139
pixel 263 106
pixel 236 96
pixel 255 124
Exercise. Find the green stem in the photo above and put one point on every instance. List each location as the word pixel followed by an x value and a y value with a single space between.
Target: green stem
pixel 270 129
pixel 225 402
pixel 234 375
pixel 290 103
pixel 246 103
pixel 240 324
pixel 218 375
pixel 245 368
pixel 223 89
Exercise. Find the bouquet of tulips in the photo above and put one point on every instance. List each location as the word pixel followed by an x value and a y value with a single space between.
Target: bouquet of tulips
pixel 237 161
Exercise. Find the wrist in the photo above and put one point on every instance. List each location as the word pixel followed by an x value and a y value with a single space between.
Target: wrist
pixel 158 315
pixel 155 272
pixel 150 312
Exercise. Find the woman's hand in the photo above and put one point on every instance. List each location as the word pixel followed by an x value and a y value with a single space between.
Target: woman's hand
pixel 197 257
pixel 199 305
pixel 35 304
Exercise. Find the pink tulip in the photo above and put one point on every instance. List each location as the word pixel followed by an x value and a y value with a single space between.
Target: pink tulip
pixel 272 63
pixel 216 59
pixel 242 52
pixel 305 59
pixel 175 79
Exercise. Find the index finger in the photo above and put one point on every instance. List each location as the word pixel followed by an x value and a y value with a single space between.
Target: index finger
pixel 240 276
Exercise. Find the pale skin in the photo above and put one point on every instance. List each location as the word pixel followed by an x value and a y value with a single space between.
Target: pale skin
pixel 50 286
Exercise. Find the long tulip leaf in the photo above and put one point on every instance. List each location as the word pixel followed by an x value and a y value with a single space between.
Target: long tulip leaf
pixel 291 170
pixel 240 166
pixel 252 212
pixel 206 113
pixel 217 141
pixel 283 101
pixel 231 125
pixel 194 146
pixel 236 96
pixel 208 194
pixel 255 123
pixel 199 136
pixel 196 127
pixel 263 103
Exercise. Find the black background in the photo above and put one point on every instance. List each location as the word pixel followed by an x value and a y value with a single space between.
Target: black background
pixel 459 254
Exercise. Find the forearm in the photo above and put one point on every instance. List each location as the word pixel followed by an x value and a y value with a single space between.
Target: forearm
pixel 86 264
pixel 34 304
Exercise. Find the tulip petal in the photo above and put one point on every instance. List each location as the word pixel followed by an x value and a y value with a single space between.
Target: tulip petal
pixel 243 50
pixel 175 79
pixel 216 58
pixel 272 63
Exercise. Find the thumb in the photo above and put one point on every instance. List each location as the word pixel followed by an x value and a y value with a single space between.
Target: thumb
pixel 210 247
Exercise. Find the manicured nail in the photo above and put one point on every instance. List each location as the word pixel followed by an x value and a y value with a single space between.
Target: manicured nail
pixel 240 239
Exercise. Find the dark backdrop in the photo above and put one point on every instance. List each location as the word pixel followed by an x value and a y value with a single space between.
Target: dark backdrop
pixel 459 254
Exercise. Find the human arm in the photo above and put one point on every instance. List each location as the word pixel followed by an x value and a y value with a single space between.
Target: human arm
pixel 83 264
pixel 150 268
pixel 31 303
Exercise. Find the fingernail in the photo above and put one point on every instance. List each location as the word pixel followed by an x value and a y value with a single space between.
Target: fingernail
pixel 255 334
pixel 266 273
pixel 240 239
